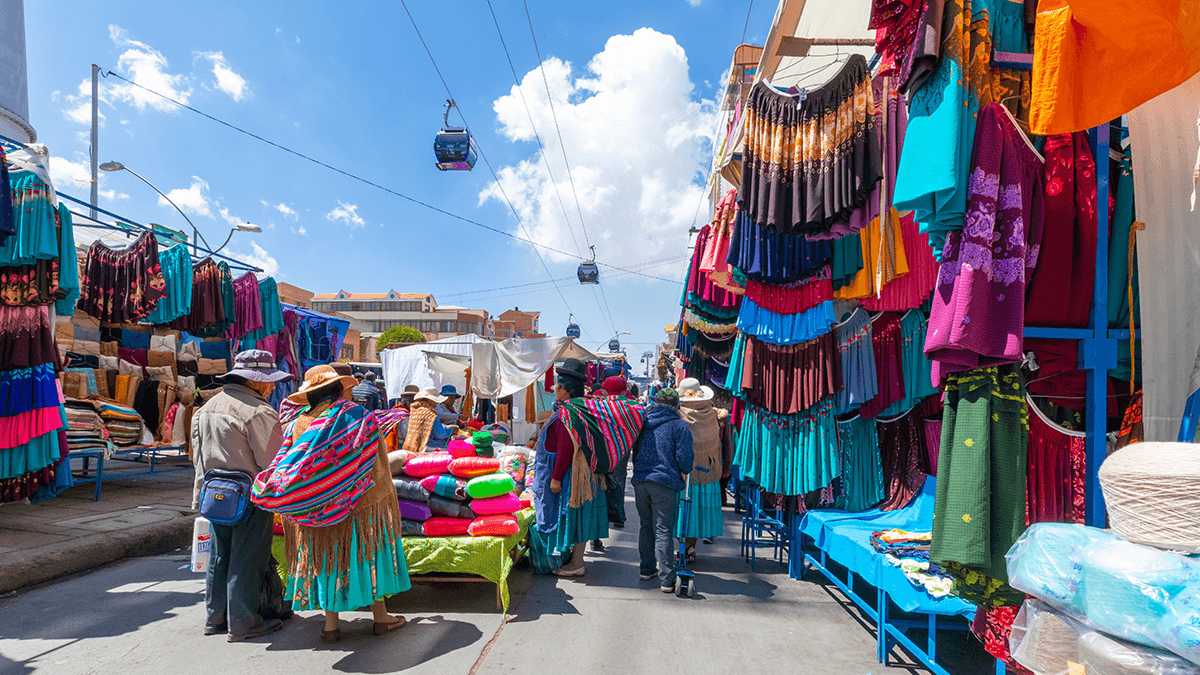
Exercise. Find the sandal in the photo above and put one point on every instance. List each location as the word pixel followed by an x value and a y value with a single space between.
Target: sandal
pixel 382 628
pixel 691 554
pixel 578 572
pixel 331 636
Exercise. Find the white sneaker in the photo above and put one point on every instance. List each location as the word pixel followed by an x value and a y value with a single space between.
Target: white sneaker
pixel 647 577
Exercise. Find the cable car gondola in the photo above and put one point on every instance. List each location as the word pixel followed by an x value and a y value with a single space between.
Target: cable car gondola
pixel 453 147
pixel 572 327
pixel 614 345
pixel 588 273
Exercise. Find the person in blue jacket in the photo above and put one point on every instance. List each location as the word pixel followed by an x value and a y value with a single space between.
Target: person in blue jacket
pixel 662 459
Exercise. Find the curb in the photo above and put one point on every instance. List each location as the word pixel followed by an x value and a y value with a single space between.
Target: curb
pixel 85 553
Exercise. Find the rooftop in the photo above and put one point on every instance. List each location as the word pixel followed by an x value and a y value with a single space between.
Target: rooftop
pixel 342 295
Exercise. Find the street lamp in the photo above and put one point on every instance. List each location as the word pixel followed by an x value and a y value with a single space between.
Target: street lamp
pixel 614 336
pixel 244 227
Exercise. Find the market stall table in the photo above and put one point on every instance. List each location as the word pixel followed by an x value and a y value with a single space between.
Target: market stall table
pixel 468 559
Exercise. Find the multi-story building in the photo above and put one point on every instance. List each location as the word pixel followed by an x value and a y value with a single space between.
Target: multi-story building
pixel 514 322
pixel 377 312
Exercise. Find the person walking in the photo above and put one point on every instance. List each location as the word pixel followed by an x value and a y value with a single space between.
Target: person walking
pixel 332 484
pixel 661 459
pixel 239 430
pixel 704 420
pixel 366 394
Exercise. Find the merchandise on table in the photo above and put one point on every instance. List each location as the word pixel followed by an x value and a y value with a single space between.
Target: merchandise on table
pixel 1129 591
pixel 1150 490
pixel 1048 641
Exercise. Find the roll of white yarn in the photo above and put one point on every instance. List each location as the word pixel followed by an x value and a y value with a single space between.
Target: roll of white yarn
pixel 1152 492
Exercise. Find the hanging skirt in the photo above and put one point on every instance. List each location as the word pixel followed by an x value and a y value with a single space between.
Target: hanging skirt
pixel 916 367
pixel 785 329
pixel 862 469
pixel 889 363
pixel 980 506
pixel 704 516
pixel 584 523
pixel 788 455
pixel 856 353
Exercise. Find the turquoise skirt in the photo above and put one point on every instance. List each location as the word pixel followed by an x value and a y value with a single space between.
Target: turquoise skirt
pixel 366 581
pixel 587 522
pixel 704 518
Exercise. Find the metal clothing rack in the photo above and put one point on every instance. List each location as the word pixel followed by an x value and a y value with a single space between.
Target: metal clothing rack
pixel 126 225
pixel 1097 342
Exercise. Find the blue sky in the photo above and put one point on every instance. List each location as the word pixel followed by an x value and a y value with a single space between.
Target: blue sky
pixel 349 84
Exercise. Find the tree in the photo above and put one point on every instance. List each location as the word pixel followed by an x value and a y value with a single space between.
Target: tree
pixel 398 334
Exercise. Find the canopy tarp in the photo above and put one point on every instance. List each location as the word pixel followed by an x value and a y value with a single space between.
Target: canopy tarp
pixel 500 369
pixel 1163 137
pixel 409 365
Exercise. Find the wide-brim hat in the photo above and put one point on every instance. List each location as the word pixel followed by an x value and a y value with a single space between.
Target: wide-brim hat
pixel 429 394
pixel 449 390
pixel 693 384
pixel 411 389
pixel 256 365
pixel 573 368
pixel 317 377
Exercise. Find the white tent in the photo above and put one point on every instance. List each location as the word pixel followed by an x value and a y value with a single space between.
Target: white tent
pixel 409 365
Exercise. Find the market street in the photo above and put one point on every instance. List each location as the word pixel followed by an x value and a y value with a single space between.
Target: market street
pixel 144 616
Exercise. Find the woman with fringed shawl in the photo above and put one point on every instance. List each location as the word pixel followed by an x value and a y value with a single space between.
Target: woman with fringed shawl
pixel 569 495
pixel 332 483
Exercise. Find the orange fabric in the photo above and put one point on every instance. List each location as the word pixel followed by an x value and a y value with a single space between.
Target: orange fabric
pixel 1096 60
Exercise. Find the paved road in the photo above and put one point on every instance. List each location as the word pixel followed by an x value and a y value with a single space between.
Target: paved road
pixel 144 616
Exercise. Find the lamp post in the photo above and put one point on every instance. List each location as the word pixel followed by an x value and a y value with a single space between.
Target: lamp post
pixel 614 336
pixel 243 227
pixel 117 166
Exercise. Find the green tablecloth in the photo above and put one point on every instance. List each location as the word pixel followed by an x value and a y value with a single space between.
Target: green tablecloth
pixel 488 557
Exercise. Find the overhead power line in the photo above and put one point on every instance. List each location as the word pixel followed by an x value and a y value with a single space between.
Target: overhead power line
pixel 109 73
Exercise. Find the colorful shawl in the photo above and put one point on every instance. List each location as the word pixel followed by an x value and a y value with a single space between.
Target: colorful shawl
pixel 317 478
pixel 388 419
pixel 603 429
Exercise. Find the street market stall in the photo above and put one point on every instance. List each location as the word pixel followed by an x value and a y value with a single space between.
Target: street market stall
pixel 932 326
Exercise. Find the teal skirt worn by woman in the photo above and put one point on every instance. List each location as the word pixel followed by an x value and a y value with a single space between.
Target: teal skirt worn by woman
pixel 584 523
pixel 704 517
pixel 366 580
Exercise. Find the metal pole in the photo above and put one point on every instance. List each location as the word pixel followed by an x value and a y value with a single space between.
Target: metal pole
pixel 95 139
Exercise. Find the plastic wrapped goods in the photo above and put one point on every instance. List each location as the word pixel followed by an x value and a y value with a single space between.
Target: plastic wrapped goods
pixel 1049 642
pixel 1152 491
pixel 1138 593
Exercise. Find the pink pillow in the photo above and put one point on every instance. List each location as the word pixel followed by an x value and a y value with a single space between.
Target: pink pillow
pixel 462 448
pixel 427 464
pixel 470 467
pixel 440 526
pixel 508 503
pixel 495 525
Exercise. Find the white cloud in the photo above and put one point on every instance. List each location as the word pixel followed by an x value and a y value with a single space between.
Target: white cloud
pixel 348 214
pixel 80 110
pixel 259 257
pixel 232 220
pixel 71 176
pixel 282 208
pixel 227 81
pixel 147 67
pixel 299 230
pixel 638 142
pixel 694 3
pixel 193 199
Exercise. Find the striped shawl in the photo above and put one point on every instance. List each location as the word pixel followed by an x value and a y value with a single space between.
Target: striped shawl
pixel 319 475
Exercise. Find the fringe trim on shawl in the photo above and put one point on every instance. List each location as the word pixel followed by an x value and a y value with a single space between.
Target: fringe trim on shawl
pixel 582 489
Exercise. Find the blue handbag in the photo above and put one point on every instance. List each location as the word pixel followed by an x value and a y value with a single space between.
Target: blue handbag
pixel 225 496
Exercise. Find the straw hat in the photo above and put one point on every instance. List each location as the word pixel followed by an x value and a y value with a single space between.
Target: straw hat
pixel 429 394
pixel 690 389
pixel 317 377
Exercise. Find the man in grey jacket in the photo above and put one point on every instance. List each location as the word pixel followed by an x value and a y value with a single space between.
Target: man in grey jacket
pixel 239 430
pixel 662 458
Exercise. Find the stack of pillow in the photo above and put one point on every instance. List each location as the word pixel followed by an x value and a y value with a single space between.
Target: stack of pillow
pixel 452 496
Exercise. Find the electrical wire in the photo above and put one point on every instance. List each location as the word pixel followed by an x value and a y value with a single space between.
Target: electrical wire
pixel 747 24
pixel 546 159
pixel 109 73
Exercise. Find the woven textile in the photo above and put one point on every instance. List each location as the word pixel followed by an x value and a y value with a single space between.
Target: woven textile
pixel 603 429
pixel 318 477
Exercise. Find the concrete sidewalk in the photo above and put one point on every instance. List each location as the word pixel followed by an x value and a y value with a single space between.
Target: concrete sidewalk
pixel 136 516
